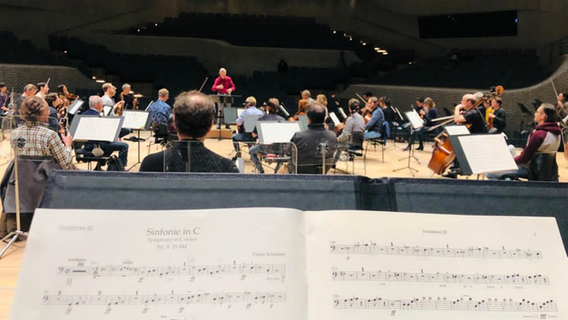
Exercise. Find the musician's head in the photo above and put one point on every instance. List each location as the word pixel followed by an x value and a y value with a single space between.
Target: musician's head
pixel 163 94
pixel 353 106
pixel 321 98
pixel 126 88
pixel 62 90
pixel 250 102
pixel 53 100
pixel 109 89
pixel 96 102
pixel 429 103
pixel 30 90
pixel 496 103
pixel 419 101
pixel 306 94
pixel 303 105
pixel 373 102
pixel 34 109
pixel 273 105
pixel 223 73
pixel 384 102
pixel 545 113
pixel 562 97
pixel 3 87
pixel 367 95
pixel 41 85
pixel 193 115
pixel 316 113
pixel 468 101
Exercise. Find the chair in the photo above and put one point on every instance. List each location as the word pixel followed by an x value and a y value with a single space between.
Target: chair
pixel 354 150
pixel 385 133
pixel 543 167
pixel 83 155
pixel 161 134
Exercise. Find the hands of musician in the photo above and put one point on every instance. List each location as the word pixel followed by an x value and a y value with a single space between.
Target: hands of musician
pixel 229 91
pixel 254 135
pixel 220 87
pixel 120 103
pixel 67 138
pixel 492 115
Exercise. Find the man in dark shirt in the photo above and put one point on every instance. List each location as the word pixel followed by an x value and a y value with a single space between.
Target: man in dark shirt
pixel 272 106
pixel 312 143
pixel 3 97
pixel 472 116
pixel 193 116
pixel 499 116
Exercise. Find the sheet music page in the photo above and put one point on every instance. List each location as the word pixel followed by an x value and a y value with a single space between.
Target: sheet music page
pixel 86 128
pixel 275 132
pixel 457 130
pixel 135 119
pixel 334 118
pixel 414 119
pixel 487 153
pixel 379 265
pixel 106 129
pixel 107 110
pixel 166 265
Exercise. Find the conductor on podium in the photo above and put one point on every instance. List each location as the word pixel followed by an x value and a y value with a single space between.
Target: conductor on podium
pixel 223 86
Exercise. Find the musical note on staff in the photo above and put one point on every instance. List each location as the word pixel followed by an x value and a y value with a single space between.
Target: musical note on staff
pixel 128 270
pixel 390 276
pixel 444 304
pixel 479 252
pixel 165 299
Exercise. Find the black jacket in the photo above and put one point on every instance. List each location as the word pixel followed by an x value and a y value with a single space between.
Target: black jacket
pixel 311 145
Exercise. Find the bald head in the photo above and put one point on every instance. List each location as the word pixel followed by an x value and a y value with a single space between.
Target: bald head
pixel 468 101
pixel 316 113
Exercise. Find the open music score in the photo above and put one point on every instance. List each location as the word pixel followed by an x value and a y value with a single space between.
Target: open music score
pixel 128 270
pixel 256 298
pixel 389 276
pixel 444 304
pixel 480 252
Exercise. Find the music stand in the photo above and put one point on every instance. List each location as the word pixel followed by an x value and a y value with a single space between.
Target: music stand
pixel 95 128
pixel 303 122
pixel 137 120
pixel 396 124
pixel 415 122
pixel 75 106
pixel 222 100
pixel 482 153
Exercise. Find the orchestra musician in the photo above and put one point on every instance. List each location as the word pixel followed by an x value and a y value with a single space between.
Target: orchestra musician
pixel 302 107
pixel 30 90
pixel 272 108
pixel 428 113
pixel 65 95
pixel 130 102
pixel 355 123
pixel 498 117
pixel 54 102
pixel 108 101
pixel 241 135
pixel 223 85
pixel 307 95
pixel 366 96
pixel 3 97
pixel 374 127
pixel 160 110
pixel 544 139
pixel 96 107
pixel 562 106
pixel 467 114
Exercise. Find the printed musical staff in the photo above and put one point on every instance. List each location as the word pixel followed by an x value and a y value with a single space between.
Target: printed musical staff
pixel 390 276
pixel 443 304
pixel 128 270
pixel 165 299
pixel 374 249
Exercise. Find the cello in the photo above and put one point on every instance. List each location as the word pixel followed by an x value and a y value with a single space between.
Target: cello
pixel 443 153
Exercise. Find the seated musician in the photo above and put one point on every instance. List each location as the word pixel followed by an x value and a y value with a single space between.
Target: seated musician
pixel 307 95
pixel 54 102
pixel 313 142
pixel 160 110
pixel 30 90
pixel 544 139
pixel 130 102
pixel 375 126
pixel 498 115
pixel 272 108
pixel 355 123
pixel 3 97
pixel 193 115
pixel 302 107
pixel 562 106
pixel 96 107
pixel 428 113
pixel 251 109
pixel 108 101
pixel 472 116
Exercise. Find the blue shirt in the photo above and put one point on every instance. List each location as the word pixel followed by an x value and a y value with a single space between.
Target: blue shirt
pixel 160 111
pixel 91 112
pixel 253 111
pixel 377 121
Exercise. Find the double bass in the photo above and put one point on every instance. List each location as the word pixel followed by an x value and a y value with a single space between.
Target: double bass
pixel 443 154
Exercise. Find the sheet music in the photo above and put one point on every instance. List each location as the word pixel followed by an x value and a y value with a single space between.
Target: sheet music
pixel 457 130
pixel 487 153
pixel 334 118
pixel 75 106
pixel 372 265
pixel 223 264
pixel 107 110
pixel 414 119
pixel 135 119
pixel 97 129
pixel 276 132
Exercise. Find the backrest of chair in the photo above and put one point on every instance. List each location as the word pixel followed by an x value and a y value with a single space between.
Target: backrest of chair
pixel 386 131
pixel 159 129
pixel 357 139
pixel 543 167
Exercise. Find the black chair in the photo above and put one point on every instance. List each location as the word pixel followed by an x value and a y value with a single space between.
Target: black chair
pixel 161 134
pixel 86 156
pixel 543 167
pixel 355 150
pixel 382 141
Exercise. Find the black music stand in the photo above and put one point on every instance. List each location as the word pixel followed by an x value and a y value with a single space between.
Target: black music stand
pixel 222 100
pixel 137 120
pixel 415 121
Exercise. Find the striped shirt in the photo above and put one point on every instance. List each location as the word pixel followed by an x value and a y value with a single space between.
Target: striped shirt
pixel 34 139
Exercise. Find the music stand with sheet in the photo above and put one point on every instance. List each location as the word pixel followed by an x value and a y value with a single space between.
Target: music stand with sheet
pixel 231 115
pixel 270 132
pixel 75 106
pixel 137 120
pixel 222 100
pixel 482 153
pixel 95 128
pixel 107 110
